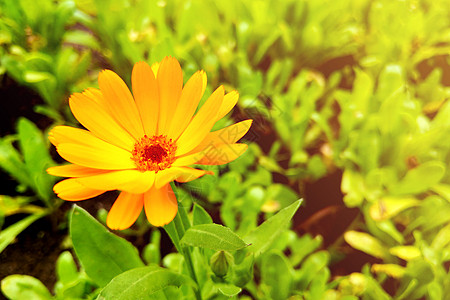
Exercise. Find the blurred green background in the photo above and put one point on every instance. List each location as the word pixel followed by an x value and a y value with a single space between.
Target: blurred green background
pixel 351 107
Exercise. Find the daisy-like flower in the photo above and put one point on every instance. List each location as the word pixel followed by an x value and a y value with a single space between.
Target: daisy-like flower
pixel 139 143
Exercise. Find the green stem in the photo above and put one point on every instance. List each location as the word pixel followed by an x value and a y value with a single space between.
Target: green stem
pixel 175 230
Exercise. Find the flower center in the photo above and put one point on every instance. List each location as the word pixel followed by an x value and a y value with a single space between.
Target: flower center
pixel 154 153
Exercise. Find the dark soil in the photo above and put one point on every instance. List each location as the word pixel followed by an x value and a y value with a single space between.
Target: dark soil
pixel 35 251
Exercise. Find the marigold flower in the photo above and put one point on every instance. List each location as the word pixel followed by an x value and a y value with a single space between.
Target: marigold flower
pixel 139 143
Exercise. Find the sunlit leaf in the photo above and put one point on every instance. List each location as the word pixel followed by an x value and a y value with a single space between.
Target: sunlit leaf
pixel 8 234
pixel 366 243
pixel 212 236
pixel 17 287
pixel 420 178
pixel 200 216
pixel 261 238
pixel 276 274
pixel 102 254
pixel 142 283
pixel 388 207
pixel 406 252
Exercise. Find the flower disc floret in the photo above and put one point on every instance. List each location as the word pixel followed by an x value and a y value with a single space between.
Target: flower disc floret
pixel 154 153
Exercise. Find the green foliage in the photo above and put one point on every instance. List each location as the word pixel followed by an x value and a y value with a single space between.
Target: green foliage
pixel 26 164
pixel 143 283
pixel 102 254
pixel 212 236
pixel 32 42
pixel 262 237
pixel 7 235
pixel 24 287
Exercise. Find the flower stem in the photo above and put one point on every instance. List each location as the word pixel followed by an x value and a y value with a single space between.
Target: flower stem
pixel 175 230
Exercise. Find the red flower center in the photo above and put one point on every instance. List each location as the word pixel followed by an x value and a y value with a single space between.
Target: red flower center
pixel 153 154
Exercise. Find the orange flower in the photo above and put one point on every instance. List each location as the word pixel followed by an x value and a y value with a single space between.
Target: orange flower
pixel 139 144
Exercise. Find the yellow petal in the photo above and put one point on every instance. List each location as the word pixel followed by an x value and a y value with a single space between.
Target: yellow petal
pixel 160 205
pixel 92 116
pixel 222 154
pixel 227 135
pixel 120 102
pixel 72 190
pixel 98 156
pixel 81 147
pixel 125 211
pixel 201 124
pixel 188 159
pixel 189 99
pixel 65 134
pixel 146 94
pixel 163 177
pixel 132 181
pixel 229 101
pixel 170 83
pixel 190 174
pixel 97 96
pixel 73 171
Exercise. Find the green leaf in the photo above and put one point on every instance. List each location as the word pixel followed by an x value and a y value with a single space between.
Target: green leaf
pixel 102 254
pixel 11 162
pixel 19 287
pixel 33 76
pixel 141 283
pixel 388 207
pixel 435 291
pixel 276 275
pixel 353 187
pixel 200 216
pixel 9 234
pixel 442 238
pixel 168 293
pixel 392 270
pixel 37 158
pixel 406 252
pixel 228 290
pixel 311 267
pixel 421 178
pixel 261 238
pixel 362 92
pixel 282 194
pixel 366 243
pixel 66 269
pixel 243 272
pixel 303 246
pixel 212 236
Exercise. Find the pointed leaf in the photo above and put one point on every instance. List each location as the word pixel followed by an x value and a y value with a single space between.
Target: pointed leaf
pixel 37 158
pixel 7 235
pixel 200 216
pixel 11 161
pixel 212 236
pixel 261 238
pixel 141 283
pixel 102 254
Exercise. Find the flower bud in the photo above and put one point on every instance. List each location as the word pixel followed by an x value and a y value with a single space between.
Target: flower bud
pixel 220 263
